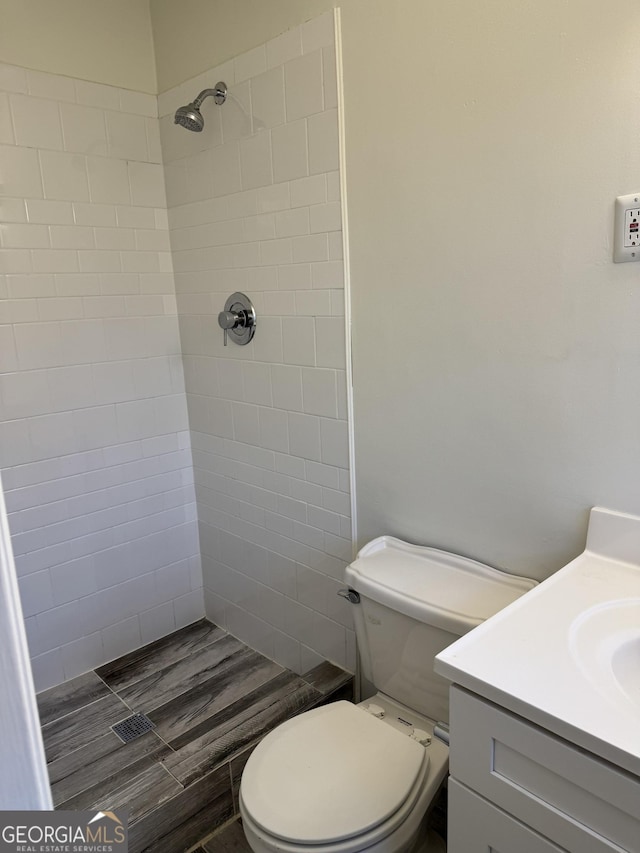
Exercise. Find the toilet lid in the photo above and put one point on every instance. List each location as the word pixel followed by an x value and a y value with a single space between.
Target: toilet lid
pixel 329 774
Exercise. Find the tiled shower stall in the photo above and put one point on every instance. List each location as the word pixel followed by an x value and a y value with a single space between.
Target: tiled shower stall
pixel 153 475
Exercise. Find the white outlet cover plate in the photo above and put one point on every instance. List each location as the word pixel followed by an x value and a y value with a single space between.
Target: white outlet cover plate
pixel 623 250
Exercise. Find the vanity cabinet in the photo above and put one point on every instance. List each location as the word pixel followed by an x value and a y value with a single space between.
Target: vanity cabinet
pixel 517 788
pixel 476 826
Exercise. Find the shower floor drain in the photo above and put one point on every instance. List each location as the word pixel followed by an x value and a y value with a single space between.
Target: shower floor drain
pixel 134 726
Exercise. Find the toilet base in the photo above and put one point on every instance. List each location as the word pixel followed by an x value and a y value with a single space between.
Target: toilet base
pixel 427 839
pixel 431 843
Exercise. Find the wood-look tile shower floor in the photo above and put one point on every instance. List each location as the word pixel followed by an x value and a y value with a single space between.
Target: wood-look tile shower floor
pixel 211 699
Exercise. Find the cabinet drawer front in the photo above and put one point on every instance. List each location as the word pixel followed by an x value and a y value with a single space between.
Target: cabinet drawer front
pixel 585 804
pixel 475 826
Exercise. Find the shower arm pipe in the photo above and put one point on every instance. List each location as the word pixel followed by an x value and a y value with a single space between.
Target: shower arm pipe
pixel 219 95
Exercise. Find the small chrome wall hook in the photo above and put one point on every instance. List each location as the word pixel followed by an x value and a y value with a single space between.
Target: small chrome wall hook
pixel 238 320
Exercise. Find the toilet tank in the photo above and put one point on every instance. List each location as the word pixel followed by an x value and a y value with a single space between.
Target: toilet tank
pixel 414 602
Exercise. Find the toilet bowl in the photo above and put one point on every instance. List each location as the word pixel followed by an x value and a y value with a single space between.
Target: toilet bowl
pixel 365 782
pixel 345 778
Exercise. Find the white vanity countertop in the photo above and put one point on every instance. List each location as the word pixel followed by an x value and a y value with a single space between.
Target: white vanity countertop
pixel 566 655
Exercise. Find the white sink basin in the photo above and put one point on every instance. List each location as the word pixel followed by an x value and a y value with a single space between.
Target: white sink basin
pixel 605 643
pixel 567 654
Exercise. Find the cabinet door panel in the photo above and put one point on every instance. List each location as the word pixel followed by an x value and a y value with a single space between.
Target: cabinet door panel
pixel 476 826
pixel 585 804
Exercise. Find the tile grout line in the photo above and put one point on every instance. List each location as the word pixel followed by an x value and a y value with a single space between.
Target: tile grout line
pixel 108 730
pixel 239 652
pixel 182 785
pixel 161 668
pixel 151 731
pixel 75 711
pixel 90 785
pixel 118 696
pixel 229 703
pixel 154 731
pixel 219 830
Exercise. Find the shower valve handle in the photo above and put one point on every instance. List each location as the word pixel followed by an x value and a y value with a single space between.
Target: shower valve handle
pixel 238 318
pixel 229 320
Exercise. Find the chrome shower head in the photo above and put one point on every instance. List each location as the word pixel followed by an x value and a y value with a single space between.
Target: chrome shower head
pixel 190 116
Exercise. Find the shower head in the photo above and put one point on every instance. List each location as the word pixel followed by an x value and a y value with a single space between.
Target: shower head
pixel 190 116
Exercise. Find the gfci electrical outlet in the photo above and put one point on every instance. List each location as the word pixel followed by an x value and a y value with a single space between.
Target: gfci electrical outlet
pixel 626 237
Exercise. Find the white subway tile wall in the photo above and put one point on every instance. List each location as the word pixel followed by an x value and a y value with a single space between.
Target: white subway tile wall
pixel 95 440
pixel 94 436
pixel 254 205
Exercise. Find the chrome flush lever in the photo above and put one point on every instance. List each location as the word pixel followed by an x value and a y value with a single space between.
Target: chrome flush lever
pixel 350 594
pixel 238 319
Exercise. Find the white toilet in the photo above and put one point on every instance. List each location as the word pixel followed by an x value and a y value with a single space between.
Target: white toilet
pixel 344 778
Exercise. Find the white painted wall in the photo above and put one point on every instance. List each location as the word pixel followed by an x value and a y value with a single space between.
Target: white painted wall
pixel 94 441
pixel 24 783
pixel 192 35
pixel 495 348
pixel 103 42
pixel 511 407
pixel 254 205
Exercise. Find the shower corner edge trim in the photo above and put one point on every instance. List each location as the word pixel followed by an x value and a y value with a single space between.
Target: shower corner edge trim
pixel 337 29
pixel 29 780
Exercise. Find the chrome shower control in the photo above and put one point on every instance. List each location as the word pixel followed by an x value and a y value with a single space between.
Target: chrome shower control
pixel 238 319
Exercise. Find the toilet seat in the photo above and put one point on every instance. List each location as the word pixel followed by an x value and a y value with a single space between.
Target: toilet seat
pixel 333 755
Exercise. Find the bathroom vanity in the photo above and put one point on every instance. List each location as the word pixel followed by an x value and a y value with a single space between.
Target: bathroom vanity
pixel 545 710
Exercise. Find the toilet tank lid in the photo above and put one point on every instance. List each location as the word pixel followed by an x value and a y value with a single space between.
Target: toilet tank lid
pixel 436 587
